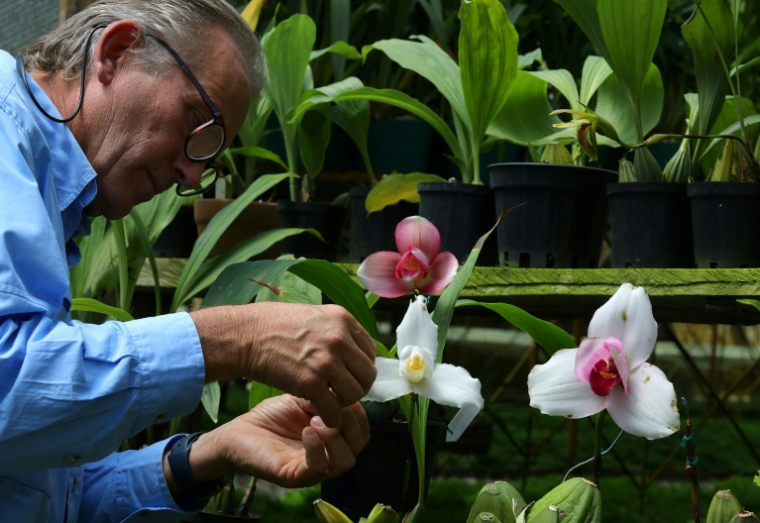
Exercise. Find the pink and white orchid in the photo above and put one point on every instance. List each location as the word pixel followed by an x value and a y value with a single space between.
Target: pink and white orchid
pixel 416 371
pixel 418 264
pixel 609 371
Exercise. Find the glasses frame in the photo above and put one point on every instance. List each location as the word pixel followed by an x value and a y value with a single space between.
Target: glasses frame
pixel 217 119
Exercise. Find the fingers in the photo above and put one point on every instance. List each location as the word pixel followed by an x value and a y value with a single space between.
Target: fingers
pixel 328 407
pixel 341 446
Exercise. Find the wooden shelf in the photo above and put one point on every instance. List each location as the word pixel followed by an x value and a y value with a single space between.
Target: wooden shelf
pixel 677 295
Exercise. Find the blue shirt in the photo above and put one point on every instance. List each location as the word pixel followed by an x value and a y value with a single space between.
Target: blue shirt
pixel 71 392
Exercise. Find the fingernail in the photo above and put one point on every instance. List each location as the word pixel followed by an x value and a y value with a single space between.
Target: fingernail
pixel 317 422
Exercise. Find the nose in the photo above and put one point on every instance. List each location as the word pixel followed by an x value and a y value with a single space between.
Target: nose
pixel 189 172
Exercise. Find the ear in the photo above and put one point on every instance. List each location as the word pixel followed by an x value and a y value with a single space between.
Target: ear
pixel 112 48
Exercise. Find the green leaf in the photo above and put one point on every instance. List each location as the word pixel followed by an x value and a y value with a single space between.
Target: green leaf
pixel 93 305
pixel 340 20
pixel 342 49
pixel 756 480
pixel 242 251
pixel 546 334
pixel 261 153
pixel 525 119
pixel 712 84
pixel 631 31
pixel 487 61
pixel 728 118
pixel 206 241
pixel 586 15
pixel 434 10
pixel 234 285
pixel 526 60
pixel 313 139
pixel 394 188
pixel 287 50
pixel 428 60
pixel 595 72
pixel 212 393
pixel 614 105
pixel 564 82
pixel 745 66
pixel 309 293
pixel 754 303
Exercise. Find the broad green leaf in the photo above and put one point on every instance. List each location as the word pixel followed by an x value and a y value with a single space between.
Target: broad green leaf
pixel 313 139
pixel 546 334
pixel 712 84
pixel 727 120
pixel 261 153
pixel 525 119
pixel 614 105
pixel 396 187
pixel 595 72
pixel 564 82
pixel 120 235
pixel 233 286
pixel 287 50
pixel 92 305
pixel 242 251
pixel 310 293
pixel 434 10
pixel 81 275
pixel 645 167
pixel 428 60
pixel 142 237
pixel 206 241
pixel 212 393
pixel 487 61
pixel 631 32
pixel 340 20
pixel 755 304
pixel 526 60
pixel 353 116
pixel 586 15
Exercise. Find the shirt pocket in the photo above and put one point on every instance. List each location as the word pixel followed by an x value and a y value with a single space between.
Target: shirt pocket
pixel 34 498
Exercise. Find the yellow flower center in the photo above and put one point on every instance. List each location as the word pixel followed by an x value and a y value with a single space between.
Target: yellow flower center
pixel 415 367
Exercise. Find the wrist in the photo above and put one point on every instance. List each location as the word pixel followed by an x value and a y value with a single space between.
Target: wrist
pixel 191 473
pixel 220 337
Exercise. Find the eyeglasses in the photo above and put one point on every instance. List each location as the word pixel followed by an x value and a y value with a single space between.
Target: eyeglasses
pixel 206 140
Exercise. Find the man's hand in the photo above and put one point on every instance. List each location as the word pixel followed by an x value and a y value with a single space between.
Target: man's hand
pixel 320 353
pixel 282 441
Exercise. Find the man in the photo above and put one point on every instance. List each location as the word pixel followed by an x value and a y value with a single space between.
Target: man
pixel 166 86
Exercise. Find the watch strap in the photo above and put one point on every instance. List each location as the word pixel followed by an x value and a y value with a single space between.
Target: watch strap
pixel 179 464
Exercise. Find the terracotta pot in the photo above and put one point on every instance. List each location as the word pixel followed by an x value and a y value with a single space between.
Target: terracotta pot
pixel 256 217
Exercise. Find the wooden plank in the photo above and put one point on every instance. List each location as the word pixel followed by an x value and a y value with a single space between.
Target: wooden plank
pixel 677 295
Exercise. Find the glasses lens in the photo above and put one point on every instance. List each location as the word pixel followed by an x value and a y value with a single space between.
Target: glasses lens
pixel 208 178
pixel 206 142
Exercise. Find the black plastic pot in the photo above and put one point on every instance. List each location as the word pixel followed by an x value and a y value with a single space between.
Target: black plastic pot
pixel 327 219
pixel 385 471
pixel 564 218
pixel 724 221
pixel 204 517
pixel 462 213
pixel 178 238
pixel 650 225
pixel 374 232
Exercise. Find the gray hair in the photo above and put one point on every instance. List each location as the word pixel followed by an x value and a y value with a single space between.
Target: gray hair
pixel 182 23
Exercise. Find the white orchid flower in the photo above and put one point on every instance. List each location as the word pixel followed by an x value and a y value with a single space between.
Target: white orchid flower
pixel 416 371
pixel 609 371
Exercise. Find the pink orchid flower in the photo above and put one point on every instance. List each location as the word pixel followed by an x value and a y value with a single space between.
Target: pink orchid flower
pixel 609 371
pixel 418 264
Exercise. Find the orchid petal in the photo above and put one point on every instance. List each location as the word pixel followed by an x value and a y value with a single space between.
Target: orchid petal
pixel 440 274
pixel 628 317
pixel 416 231
pixel 389 384
pixel 417 329
pixel 413 265
pixel 555 390
pixel 650 409
pixel 378 275
pixel 621 363
pixel 589 352
pixel 453 386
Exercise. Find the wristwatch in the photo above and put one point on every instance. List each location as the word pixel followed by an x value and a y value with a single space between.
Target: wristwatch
pixel 179 464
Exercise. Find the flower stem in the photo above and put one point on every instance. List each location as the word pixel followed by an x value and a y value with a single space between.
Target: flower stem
pixel 597 465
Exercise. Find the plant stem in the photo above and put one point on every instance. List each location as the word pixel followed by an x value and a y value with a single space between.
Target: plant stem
pixel 597 465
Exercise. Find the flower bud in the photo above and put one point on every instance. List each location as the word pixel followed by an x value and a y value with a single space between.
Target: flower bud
pixel 556 154
pixel 678 168
pixel 499 498
pixel 645 167
pixel 723 507
pixel 327 513
pixel 578 498
pixel 625 171
pixel 550 514
pixel 745 516
pixel 383 514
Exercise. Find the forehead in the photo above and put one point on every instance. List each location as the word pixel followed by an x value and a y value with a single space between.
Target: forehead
pixel 221 73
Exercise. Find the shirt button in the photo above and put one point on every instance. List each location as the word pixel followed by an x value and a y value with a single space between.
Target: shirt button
pixel 72 459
